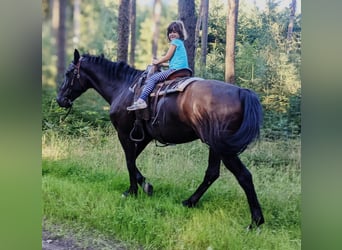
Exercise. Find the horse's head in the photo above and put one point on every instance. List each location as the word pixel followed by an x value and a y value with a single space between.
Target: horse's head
pixel 72 86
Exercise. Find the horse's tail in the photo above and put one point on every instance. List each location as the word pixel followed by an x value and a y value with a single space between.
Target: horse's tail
pixel 249 130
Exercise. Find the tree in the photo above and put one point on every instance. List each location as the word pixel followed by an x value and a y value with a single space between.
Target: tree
pixel 186 13
pixel 133 30
pixel 76 15
pixel 156 25
pixel 204 39
pixel 198 24
pixel 61 34
pixel 231 29
pixel 54 15
pixel 123 30
pixel 291 22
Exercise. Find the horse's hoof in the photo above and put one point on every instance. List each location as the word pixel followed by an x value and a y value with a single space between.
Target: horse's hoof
pixel 129 193
pixel 259 221
pixel 251 227
pixel 148 188
pixel 188 203
pixel 125 194
pixel 256 224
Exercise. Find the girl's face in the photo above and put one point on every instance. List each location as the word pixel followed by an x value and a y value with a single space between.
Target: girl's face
pixel 173 35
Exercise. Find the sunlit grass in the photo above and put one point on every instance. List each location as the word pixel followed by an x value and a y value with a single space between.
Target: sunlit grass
pixel 84 177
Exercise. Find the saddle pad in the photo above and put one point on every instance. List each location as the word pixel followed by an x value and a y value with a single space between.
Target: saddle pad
pixel 174 86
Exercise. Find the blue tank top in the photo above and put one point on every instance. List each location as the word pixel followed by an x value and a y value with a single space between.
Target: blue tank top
pixel 179 60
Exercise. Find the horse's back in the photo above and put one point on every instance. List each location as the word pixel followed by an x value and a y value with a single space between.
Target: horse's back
pixel 213 90
pixel 212 98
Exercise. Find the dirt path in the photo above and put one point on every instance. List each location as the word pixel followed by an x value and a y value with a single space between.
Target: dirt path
pixel 56 238
pixel 53 242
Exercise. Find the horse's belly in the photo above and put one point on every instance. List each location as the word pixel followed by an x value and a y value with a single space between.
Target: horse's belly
pixel 172 134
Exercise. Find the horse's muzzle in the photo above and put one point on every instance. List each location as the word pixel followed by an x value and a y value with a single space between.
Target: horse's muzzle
pixel 64 102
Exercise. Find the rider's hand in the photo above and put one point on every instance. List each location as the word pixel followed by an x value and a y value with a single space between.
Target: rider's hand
pixel 155 61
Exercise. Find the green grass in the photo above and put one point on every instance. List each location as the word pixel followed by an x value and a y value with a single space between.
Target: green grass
pixel 83 180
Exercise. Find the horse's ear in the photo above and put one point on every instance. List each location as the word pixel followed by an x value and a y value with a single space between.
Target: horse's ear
pixel 76 56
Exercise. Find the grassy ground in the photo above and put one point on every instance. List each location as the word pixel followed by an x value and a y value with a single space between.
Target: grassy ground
pixel 84 177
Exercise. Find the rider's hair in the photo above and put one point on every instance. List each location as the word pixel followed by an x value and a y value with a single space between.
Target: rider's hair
pixel 177 26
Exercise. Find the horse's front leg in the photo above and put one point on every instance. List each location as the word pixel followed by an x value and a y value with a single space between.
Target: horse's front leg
pixel 211 174
pixel 132 151
pixel 147 187
pixel 244 177
pixel 134 174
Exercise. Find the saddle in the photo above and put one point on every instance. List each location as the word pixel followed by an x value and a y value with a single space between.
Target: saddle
pixel 186 72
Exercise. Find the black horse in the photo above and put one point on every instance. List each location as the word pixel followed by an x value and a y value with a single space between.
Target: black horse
pixel 224 116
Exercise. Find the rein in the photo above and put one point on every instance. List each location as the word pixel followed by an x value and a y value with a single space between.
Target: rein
pixel 65 116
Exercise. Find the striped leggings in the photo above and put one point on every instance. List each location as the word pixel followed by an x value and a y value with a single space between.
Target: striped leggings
pixel 152 81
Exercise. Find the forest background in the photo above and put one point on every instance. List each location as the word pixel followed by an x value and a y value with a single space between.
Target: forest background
pixel 267 51
pixel 321 141
pixel 79 162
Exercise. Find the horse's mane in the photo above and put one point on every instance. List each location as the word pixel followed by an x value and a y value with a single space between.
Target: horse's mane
pixel 114 70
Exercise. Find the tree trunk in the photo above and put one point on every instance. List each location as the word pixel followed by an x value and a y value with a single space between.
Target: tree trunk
pixel 133 30
pixel 292 17
pixel 77 15
pixel 50 9
pixel 198 25
pixel 55 16
pixel 156 26
pixel 231 28
pixel 204 40
pixel 186 13
pixel 61 40
pixel 123 30
pixel 291 24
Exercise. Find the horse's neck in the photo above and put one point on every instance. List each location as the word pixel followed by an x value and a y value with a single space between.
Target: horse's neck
pixel 109 88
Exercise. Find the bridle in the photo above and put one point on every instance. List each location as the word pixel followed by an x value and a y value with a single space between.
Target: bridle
pixel 76 75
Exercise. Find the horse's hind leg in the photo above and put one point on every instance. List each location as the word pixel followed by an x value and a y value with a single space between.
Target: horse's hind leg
pixel 244 177
pixel 212 173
